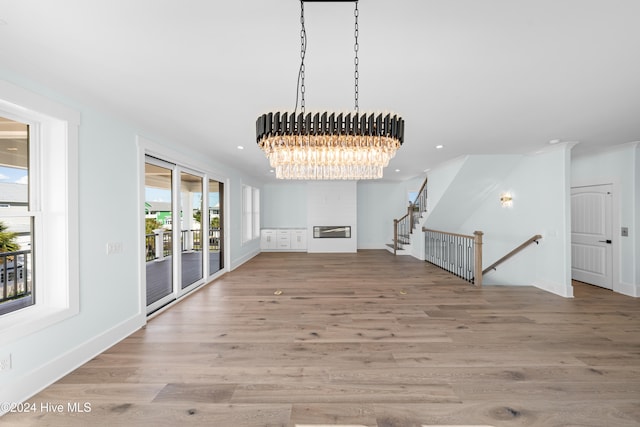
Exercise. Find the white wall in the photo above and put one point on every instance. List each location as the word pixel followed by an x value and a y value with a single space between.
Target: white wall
pixel 618 166
pixel 379 203
pixel 539 185
pixel 468 182
pixel 109 211
pixel 284 205
pixel 332 203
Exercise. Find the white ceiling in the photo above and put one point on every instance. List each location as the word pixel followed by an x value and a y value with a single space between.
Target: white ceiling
pixel 478 76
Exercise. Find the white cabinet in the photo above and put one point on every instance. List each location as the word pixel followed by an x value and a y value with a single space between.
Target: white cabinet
pixel 299 239
pixel 283 239
pixel 268 239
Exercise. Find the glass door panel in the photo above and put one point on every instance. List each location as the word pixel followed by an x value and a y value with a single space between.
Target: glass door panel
pixel 191 241
pixel 158 210
pixel 216 246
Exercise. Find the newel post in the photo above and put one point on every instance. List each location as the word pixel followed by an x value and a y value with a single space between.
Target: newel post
pixel 395 236
pixel 477 262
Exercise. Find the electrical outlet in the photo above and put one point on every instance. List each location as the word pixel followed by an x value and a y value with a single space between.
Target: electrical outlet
pixel 114 248
pixel 5 363
pixel 624 232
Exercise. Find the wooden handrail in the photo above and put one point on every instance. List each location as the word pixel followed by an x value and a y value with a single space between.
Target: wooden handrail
pixel 407 224
pixel 402 217
pixel 512 253
pixel 424 184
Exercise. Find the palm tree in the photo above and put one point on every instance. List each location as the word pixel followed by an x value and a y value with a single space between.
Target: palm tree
pixel 7 239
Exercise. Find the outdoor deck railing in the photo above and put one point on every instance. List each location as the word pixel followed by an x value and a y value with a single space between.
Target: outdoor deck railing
pixel 15 277
pixel 190 240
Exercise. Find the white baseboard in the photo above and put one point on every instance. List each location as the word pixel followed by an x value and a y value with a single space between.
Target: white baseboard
pixel 554 288
pixel 628 289
pixel 28 385
pixel 372 246
pixel 239 261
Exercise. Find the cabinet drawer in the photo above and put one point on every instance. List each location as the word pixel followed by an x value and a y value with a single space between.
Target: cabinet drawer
pixel 284 234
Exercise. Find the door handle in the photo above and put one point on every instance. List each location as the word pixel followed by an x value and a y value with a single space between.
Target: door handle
pixel 605 241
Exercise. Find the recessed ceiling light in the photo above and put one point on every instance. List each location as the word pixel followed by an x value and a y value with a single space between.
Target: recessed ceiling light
pixel 554 141
pixel 397 170
pixel 426 170
pixel 272 171
pixel 439 146
pixel 240 147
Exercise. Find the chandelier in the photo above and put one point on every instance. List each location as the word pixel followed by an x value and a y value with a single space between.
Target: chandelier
pixel 328 145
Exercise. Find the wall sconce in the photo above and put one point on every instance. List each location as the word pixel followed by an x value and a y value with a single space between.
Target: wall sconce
pixel 506 200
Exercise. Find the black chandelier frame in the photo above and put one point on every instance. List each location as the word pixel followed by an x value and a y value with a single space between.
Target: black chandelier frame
pixel 329 124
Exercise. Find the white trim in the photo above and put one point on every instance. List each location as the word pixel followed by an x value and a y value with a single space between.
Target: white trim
pixel 239 261
pixel 628 289
pixel 30 102
pixel 554 288
pixel 57 234
pixel 616 263
pixel 27 385
pixel 180 163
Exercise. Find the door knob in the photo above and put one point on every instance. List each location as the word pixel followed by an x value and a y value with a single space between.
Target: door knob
pixel 605 241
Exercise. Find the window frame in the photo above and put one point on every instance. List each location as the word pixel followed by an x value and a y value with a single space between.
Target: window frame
pixel 255 212
pixel 250 213
pixel 53 174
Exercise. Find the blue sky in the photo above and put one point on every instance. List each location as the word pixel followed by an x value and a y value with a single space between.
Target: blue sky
pixel 13 175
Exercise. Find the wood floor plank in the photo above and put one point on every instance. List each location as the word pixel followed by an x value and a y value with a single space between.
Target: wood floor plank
pixel 363 339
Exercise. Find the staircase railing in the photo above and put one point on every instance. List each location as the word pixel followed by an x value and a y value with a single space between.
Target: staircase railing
pixel 403 226
pixel 420 203
pixel 459 254
pixel 512 253
pixel 401 230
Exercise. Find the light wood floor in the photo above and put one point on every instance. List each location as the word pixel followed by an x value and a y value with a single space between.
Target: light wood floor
pixel 364 339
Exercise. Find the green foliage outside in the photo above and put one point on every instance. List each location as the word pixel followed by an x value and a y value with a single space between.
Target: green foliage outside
pixel 8 241
pixel 151 224
pixel 197 215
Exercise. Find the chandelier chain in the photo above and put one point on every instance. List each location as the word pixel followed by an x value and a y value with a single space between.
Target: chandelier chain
pixel 356 47
pixel 328 145
pixel 300 88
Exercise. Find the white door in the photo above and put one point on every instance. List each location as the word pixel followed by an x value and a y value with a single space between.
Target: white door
pixel 591 235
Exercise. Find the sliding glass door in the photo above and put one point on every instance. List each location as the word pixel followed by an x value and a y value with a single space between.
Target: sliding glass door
pixel 184 242
pixel 158 217
pixel 216 226
pixel 191 261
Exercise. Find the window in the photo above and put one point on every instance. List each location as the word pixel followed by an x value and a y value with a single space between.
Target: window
pixel 17 289
pixel 255 213
pixel 250 213
pixel 39 149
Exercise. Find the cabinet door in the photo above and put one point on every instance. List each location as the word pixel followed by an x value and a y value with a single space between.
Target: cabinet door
pixel 268 239
pixel 299 239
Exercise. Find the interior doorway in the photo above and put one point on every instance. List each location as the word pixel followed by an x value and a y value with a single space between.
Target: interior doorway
pixel 592 235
